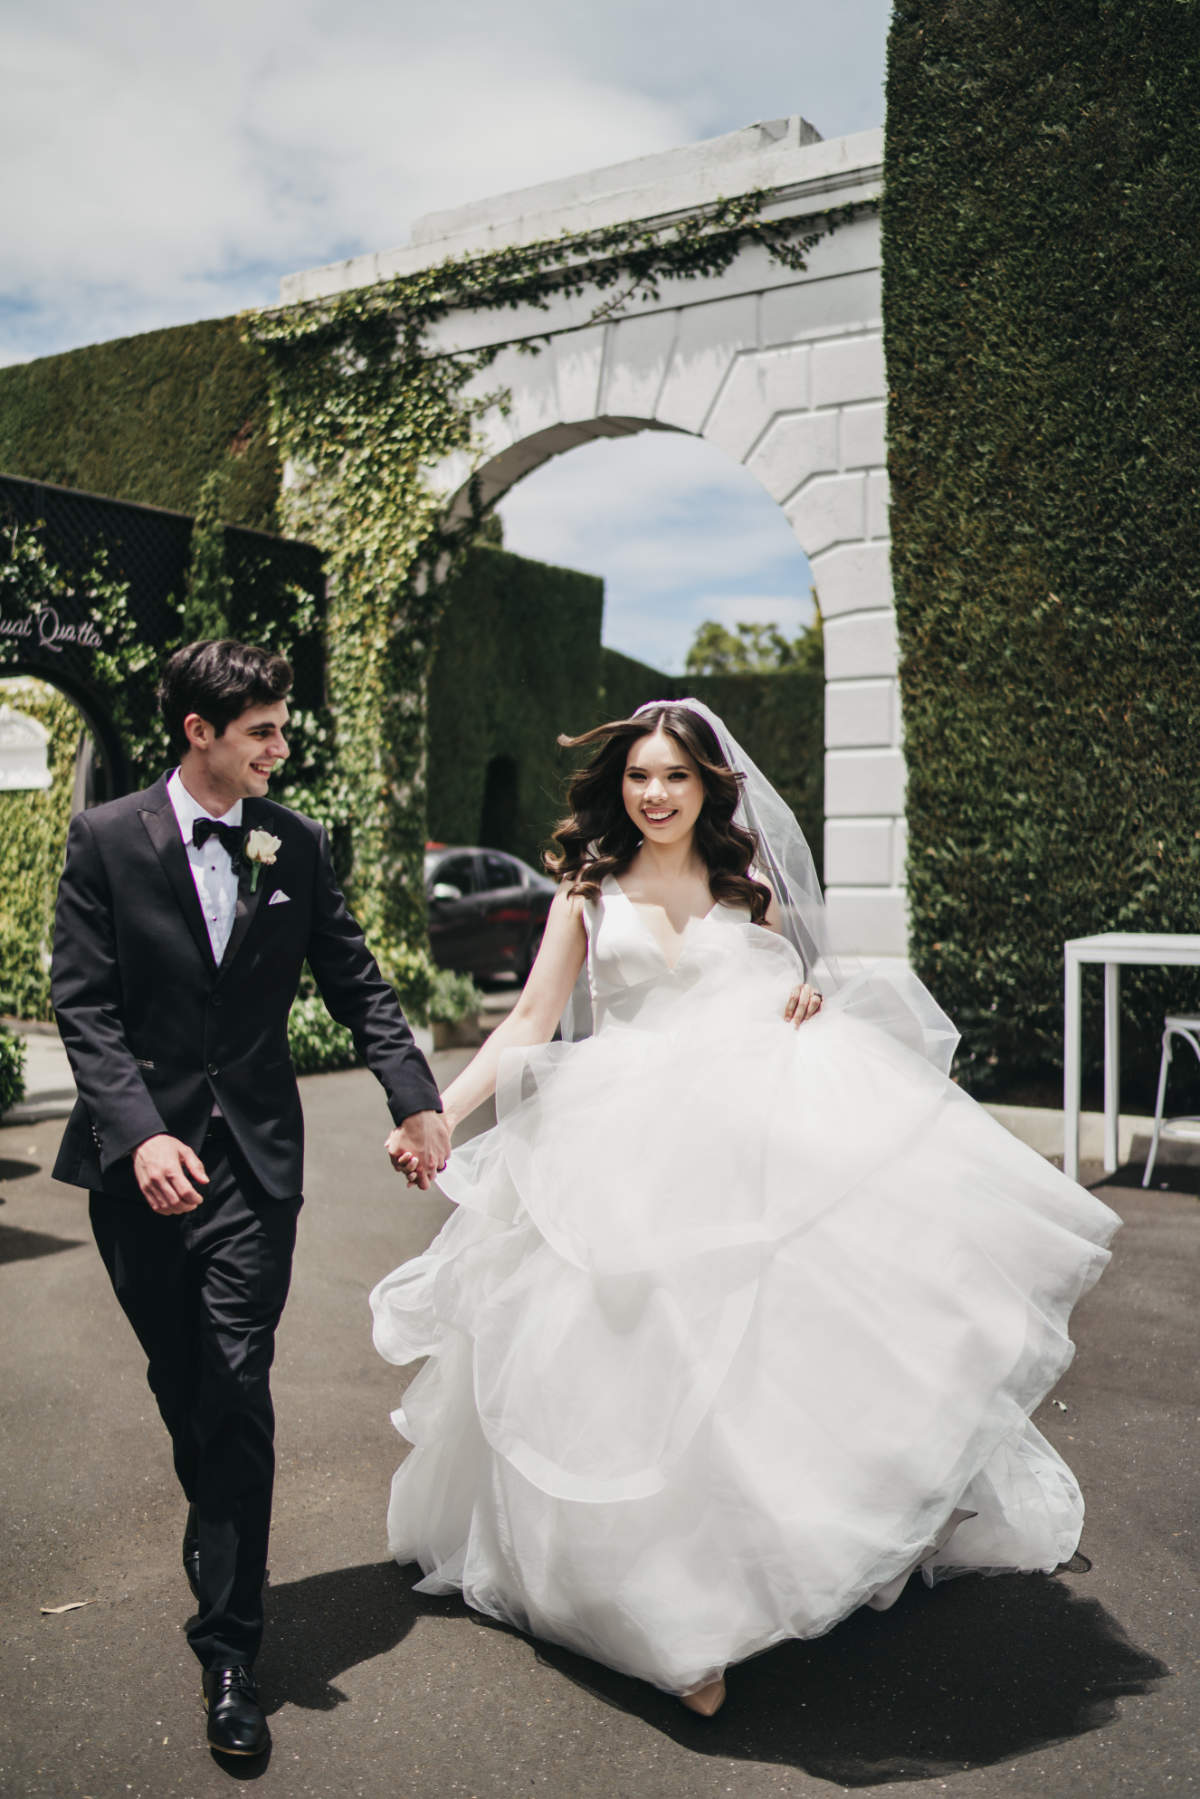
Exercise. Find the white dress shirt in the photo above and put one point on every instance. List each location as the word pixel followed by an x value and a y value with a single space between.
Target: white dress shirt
pixel 212 870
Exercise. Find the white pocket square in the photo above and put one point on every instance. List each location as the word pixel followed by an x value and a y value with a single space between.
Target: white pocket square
pixel 279 898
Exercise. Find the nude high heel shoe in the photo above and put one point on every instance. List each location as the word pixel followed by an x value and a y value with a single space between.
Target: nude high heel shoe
pixel 706 1700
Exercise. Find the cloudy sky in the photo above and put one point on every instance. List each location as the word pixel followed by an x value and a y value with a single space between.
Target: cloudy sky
pixel 168 163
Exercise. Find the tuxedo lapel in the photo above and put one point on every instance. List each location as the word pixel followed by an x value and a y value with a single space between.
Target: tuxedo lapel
pixel 162 828
pixel 247 910
pixel 248 903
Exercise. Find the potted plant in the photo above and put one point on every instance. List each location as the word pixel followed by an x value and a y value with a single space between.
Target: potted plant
pixel 454 1007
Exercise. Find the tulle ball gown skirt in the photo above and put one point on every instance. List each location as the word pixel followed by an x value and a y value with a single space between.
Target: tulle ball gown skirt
pixel 733 1328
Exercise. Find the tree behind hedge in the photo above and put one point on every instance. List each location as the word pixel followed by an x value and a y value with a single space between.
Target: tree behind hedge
pixel 1041 292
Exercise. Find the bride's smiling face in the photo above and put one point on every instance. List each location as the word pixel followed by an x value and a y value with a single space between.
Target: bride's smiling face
pixel 662 789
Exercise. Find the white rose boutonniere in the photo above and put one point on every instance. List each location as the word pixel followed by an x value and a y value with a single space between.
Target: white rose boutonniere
pixel 259 851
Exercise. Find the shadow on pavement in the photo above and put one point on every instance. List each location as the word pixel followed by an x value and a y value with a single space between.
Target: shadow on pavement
pixel 319 1627
pixel 241 1767
pixel 976 1672
pixel 17 1245
pixel 14 1171
pixel 1168 1177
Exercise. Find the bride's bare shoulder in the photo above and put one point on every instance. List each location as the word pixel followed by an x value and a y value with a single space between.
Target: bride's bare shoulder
pixel 568 905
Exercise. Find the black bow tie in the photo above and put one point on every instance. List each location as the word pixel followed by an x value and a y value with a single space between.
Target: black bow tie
pixel 229 835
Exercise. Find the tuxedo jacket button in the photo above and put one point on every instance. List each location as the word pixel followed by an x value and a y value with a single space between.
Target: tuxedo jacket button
pixel 213 1069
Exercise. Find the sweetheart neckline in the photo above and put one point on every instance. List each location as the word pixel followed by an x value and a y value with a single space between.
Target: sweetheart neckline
pixel 696 918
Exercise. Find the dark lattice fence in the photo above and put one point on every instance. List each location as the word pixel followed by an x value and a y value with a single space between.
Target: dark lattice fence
pixel 149 550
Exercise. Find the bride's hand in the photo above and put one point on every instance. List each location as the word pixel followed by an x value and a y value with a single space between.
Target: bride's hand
pixel 803 1002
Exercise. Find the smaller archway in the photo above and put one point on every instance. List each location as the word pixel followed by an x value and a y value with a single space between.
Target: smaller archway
pixel 103 771
pixel 498 814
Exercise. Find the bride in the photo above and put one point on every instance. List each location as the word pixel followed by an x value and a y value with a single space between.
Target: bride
pixel 745 1306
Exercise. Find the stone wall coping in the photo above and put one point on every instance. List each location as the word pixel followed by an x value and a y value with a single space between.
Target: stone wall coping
pixel 800 172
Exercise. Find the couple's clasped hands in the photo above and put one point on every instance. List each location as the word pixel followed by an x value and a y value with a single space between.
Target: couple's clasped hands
pixel 170 1173
pixel 420 1148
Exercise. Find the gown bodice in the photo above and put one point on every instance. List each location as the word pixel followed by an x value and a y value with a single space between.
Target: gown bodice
pixel 626 964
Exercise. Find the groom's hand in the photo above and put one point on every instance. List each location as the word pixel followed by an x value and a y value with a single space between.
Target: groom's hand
pixel 420 1147
pixel 162 1166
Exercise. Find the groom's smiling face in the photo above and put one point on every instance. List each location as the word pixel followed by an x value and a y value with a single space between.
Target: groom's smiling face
pixel 239 763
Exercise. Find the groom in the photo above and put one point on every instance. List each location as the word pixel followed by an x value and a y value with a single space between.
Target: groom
pixel 185 915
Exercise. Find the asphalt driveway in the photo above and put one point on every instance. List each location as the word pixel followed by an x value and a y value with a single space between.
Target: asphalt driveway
pixel 1081 1685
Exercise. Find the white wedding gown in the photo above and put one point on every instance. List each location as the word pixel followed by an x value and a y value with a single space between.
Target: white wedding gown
pixel 735 1324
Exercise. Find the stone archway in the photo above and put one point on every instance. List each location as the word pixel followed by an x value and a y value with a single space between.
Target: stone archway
pixel 782 371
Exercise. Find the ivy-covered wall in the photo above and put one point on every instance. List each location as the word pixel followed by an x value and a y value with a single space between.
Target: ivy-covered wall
pixel 1041 292
pixel 363 407
pixel 147 418
pixel 33 833
pixel 516 661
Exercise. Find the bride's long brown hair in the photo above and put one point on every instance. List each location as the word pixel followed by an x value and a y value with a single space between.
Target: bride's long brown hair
pixel 599 838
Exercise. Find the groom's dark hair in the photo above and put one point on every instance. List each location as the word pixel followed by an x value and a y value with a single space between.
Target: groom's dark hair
pixel 218 679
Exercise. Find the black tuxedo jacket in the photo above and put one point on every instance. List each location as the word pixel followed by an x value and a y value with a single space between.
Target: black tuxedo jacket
pixel 156 1030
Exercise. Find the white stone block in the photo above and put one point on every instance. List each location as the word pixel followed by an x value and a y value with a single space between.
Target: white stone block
pixel 706 343
pixel 828 510
pixel 850 301
pixel 636 356
pixel 853 578
pixel 860 714
pixel 861 644
pixel 864 443
pixel 578 360
pixel 864 784
pixel 848 369
pixel 758 387
pixel 793 450
pixel 877 504
pixel 858 852
pixel 867 921
pixel 532 388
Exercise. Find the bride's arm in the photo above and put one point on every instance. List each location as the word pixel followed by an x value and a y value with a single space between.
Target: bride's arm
pixel 536 1014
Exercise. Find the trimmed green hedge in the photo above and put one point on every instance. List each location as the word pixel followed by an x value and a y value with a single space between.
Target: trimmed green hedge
pixel 1041 291
pixel 147 418
pixel 626 684
pixel 517 661
pixel 12 1070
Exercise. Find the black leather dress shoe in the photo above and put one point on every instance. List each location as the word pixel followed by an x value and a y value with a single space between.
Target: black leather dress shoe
pixel 191 1552
pixel 236 1725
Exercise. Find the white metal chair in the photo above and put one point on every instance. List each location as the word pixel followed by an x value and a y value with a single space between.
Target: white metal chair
pixel 1186 1027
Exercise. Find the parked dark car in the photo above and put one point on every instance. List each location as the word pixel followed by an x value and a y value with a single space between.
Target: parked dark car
pixel 487 910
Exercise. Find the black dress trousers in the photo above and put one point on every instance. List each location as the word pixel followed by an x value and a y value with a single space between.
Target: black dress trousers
pixel 204 1291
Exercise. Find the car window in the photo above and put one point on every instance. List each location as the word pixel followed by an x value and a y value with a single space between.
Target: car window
pixel 498 871
pixel 457 871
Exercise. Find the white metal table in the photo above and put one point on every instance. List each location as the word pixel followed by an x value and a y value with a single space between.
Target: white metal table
pixel 1113 949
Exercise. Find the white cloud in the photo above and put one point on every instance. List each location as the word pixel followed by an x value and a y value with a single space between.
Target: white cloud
pixel 167 163
pixel 679 533
pixel 174 164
